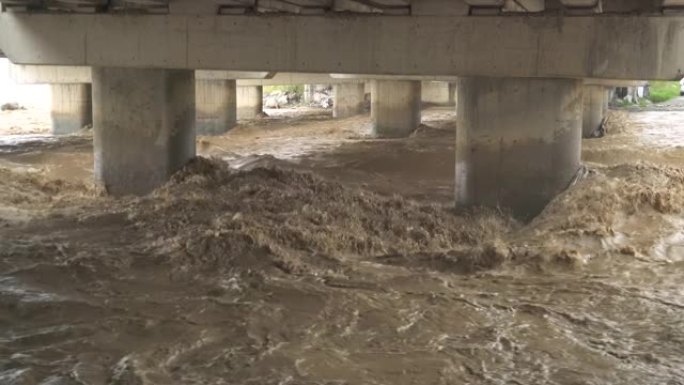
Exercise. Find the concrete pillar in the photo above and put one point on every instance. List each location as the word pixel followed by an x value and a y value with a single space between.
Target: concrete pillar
pixel 349 98
pixel 518 141
pixel 309 92
pixel 395 107
pixel 437 93
pixel 72 107
pixel 216 106
pixel 453 94
pixel 595 107
pixel 250 102
pixel 144 123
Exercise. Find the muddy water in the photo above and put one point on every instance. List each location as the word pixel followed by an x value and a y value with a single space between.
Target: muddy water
pixel 333 259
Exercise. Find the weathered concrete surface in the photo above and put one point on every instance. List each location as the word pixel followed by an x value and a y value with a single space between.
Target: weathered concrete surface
pixel 223 75
pixel 518 141
pixel 55 74
pixel 289 78
pixel 512 46
pixel 453 93
pixel 368 77
pixel 216 103
pixel 439 8
pixel 395 107
pixel 72 108
pixel 250 102
pixel 438 93
pixel 348 99
pixel 47 74
pixel 615 82
pixel 144 123
pixel 594 109
pixel 309 90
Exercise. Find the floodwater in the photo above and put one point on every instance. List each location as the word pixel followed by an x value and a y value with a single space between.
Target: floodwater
pixel 304 252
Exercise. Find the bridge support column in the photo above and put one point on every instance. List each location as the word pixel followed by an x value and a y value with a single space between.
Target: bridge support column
pixel 309 92
pixel 438 93
pixel 216 106
pixel 250 102
pixel 72 107
pixel 348 99
pixel 395 107
pixel 595 107
pixel 518 141
pixel 144 123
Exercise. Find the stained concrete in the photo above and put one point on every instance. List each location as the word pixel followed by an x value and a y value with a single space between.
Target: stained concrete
pixel 514 46
pixel 438 93
pixel 595 106
pixel 144 124
pixel 216 103
pixel 518 141
pixel 72 107
pixel 348 99
pixel 250 102
pixel 395 107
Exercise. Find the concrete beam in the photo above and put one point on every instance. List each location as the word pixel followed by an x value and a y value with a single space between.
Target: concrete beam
pixel 513 46
pixel 228 75
pixel 424 78
pixel 439 8
pixel 282 78
pixel 39 74
pixel 53 74
pixel 615 83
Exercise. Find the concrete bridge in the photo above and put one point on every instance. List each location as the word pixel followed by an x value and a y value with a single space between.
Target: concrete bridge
pixel 529 74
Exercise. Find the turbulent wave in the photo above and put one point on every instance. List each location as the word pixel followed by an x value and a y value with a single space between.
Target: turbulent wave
pixel 274 276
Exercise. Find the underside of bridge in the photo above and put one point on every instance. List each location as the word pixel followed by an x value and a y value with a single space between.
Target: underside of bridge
pixel 529 75
pixel 317 7
pixel 341 192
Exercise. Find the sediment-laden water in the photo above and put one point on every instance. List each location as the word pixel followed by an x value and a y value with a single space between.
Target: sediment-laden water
pixel 321 257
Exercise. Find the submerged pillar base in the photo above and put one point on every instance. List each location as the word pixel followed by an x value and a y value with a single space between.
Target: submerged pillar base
pixel 216 106
pixel 250 102
pixel 438 93
pixel 518 142
pixel 395 107
pixel 144 123
pixel 72 108
pixel 349 99
pixel 594 110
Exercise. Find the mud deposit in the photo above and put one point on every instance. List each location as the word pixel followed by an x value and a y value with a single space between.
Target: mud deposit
pixel 343 264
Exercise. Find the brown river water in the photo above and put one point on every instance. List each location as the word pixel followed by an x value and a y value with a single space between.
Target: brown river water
pixel 300 251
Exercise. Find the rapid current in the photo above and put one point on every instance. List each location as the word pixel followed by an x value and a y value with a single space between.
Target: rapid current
pixel 298 251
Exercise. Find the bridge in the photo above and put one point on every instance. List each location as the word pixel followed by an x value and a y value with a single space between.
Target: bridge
pixel 529 75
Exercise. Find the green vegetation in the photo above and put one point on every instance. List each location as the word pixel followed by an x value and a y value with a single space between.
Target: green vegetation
pixel 644 103
pixel 297 89
pixel 623 103
pixel 663 91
